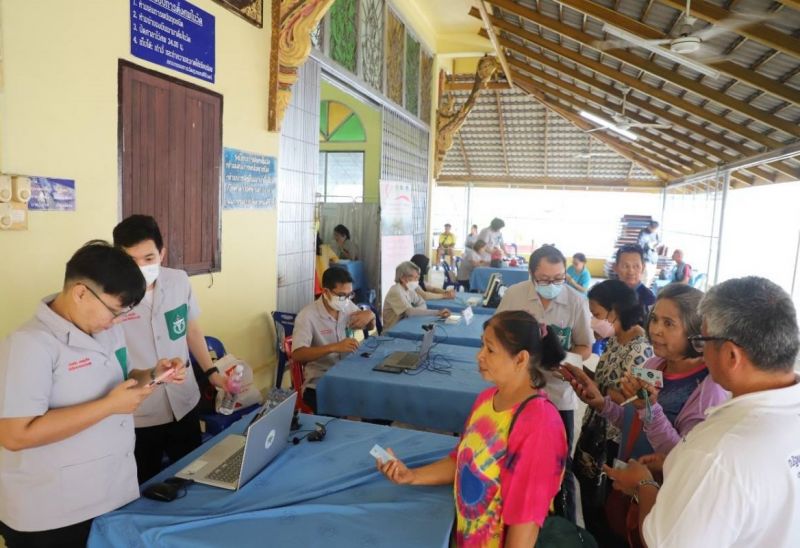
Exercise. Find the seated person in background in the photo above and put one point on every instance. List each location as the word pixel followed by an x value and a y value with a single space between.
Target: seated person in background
pixel 474 257
pixel 493 237
pixel 683 271
pixel 345 247
pixel 504 477
pixel 629 267
pixel 402 299
pixel 323 330
pixel 566 314
pixel 325 256
pixel 578 276
pixel 429 293
pixel 67 397
pixel 744 458
pixel 472 237
pixel 447 242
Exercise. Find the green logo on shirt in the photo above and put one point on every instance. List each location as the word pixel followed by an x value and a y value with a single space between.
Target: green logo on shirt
pixel 177 322
pixel 122 358
pixel 564 335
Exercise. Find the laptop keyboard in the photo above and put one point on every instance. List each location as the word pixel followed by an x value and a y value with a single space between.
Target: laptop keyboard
pixel 228 471
pixel 409 360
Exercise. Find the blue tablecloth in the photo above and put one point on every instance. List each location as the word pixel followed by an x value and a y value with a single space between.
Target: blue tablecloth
pixel 356 270
pixel 424 398
pixel 313 494
pixel 479 278
pixel 459 334
pixel 460 303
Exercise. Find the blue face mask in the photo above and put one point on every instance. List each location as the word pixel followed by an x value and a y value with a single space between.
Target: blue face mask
pixel 549 291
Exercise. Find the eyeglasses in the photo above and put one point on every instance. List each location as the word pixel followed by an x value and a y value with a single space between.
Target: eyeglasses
pixel 342 298
pixel 115 313
pixel 698 342
pixel 557 281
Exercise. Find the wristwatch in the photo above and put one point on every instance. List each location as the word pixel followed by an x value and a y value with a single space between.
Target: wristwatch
pixel 643 482
pixel 210 371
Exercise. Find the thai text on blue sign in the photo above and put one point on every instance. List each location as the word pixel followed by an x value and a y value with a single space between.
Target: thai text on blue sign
pixel 174 34
pixel 250 180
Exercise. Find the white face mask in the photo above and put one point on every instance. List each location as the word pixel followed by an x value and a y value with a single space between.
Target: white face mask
pixel 336 304
pixel 412 285
pixel 150 272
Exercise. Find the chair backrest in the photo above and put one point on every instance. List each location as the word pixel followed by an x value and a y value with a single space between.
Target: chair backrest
pixel 699 281
pixel 215 347
pixel 449 277
pixel 284 326
pixel 298 376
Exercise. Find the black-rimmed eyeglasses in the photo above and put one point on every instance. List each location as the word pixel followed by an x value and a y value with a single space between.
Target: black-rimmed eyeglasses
pixel 115 313
pixel 698 342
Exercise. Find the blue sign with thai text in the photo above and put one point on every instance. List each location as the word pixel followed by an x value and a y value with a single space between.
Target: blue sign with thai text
pixel 250 180
pixel 174 34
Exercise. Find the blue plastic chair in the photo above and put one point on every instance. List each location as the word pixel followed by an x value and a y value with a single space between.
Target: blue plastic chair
pixel 284 326
pixel 699 281
pixel 449 277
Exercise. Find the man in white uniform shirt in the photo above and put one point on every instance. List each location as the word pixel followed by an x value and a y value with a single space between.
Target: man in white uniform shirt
pixel 323 330
pixel 735 479
pixel 493 237
pixel 564 311
pixel 67 391
pixel 403 300
pixel 163 325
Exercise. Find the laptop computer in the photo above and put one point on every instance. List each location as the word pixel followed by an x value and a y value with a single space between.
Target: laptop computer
pixel 238 458
pixel 396 362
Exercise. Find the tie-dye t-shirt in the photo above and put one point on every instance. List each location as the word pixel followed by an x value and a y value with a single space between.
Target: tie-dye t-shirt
pixel 501 482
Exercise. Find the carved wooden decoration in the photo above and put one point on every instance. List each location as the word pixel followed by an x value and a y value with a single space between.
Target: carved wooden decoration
pixel 449 120
pixel 293 21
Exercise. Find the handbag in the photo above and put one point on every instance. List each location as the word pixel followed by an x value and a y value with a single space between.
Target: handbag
pixel 591 453
pixel 557 531
pixel 621 512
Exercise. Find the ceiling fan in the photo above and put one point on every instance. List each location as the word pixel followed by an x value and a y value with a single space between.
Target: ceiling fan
pixel 685 40
pixel 620 123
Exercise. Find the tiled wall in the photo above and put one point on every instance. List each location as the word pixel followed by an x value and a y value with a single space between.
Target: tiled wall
pixel 297 179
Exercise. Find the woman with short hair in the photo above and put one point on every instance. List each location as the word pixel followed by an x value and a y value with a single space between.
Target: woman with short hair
pixel 402 299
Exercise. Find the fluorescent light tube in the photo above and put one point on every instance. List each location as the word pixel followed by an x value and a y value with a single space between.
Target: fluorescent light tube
pixel 643 43
pixel 608 125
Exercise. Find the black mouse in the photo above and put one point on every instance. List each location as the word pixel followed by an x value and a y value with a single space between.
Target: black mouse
pixel 165 492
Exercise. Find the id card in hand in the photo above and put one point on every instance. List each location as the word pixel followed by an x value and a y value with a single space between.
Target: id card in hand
pixel 650 376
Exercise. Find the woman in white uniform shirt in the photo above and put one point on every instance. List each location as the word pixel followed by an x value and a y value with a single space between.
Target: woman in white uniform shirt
pixel 402 299
pixel 68 392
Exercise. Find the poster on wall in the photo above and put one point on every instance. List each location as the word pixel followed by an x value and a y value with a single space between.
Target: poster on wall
pixel 51 194
pixel 174 34
pixel 397 229
pixel 250 180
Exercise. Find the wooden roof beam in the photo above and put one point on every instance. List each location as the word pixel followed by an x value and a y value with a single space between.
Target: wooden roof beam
pixel 660 171
pixel 487 25
pixel 696 130
pixel 660 72
pixel 633 83
pixel 464 153
pixel 760 32
pixel 581 182
pixel 467 86
pixel 679 163
pixel 502 128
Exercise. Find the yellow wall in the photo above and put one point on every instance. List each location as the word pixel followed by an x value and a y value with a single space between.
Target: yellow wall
pixel 58 111
pixel 371 120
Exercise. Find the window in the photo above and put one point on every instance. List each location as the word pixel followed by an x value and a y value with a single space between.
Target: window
pixel 341 177
pixel 170 139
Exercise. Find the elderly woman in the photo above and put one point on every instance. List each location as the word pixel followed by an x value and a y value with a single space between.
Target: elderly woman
pixel 346 248
pixel 508 465
pixel 429 293
pixel 658 424
pixel 402 299
pixel 616 310
pixel 472 259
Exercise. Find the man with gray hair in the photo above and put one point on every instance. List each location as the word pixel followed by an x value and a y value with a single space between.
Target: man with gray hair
pixel 735 479
pixel 402 299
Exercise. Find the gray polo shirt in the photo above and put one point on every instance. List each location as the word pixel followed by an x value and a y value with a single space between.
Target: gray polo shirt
pixel 569 315
pixel 314 326
pixel 157 330
pixel 400 303
pixel 47 364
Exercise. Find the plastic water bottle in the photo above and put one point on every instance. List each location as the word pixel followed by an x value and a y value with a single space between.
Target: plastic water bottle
pixel 232 388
